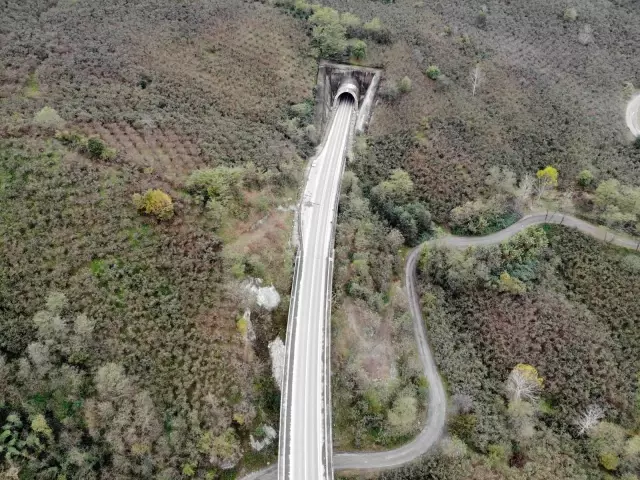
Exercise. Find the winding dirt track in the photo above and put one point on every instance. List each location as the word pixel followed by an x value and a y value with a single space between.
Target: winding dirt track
pixel 434 426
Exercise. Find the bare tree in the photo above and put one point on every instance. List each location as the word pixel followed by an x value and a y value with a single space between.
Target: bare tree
pixel 522 386
pixel 525 189
pixel 589 419
pixel 476 77
pixel 462 403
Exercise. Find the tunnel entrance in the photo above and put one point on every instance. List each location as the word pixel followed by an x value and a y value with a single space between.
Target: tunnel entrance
pixel 345 96
pixel 335 82
pixel 348 87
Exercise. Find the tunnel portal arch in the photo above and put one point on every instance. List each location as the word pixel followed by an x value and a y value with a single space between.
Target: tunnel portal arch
pixel 349 86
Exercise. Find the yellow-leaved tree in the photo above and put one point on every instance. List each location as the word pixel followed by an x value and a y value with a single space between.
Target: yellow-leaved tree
pixel 154 202
pixel 547 179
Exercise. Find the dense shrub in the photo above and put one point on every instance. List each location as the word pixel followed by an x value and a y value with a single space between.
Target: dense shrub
pixel 358 49
pixel 404 85
pixel 154 297
pixel 144 99
pixel 48 117
pixel 154 202
pixel 220 184
pixel 433 72
pixel 618 205
pixel 330 40
pixel 392 199
pixel 371 332
pixel 481 217
pixel 93 146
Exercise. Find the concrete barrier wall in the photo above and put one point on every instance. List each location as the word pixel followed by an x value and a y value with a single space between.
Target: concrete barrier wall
pixel 331 78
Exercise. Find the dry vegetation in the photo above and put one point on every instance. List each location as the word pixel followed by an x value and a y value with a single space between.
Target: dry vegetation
pixel 574 318
pixel 147 98
pixel 544 98
pixel 147 93
pixel 378 388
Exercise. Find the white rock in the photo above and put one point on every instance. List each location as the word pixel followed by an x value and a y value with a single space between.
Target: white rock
pixel 266 297
pixel 269 435
pixel 277 353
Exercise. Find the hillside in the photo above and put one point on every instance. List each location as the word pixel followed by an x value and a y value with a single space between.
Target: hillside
pixel 548 94
pixel 151 153
pixel 568 310
pixel 125 347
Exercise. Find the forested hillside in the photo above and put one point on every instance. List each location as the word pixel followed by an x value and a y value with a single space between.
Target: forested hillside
pixel 551 90
pixel 149 158
pixel 151 153
pixel 537 341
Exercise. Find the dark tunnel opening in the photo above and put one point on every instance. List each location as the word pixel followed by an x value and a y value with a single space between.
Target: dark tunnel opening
pixel 345 96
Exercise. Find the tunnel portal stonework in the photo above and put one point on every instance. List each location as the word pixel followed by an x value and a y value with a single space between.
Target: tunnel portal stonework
pixel 336 79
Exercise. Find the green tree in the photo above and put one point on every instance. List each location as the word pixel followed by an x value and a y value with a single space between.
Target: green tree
pixel 374 26
pixel 607 193
pixel 95 147
pixel 402 416
pixel 40 426
pixel 359 49
pixel 324 16
pixel 609 460
pixel 397 188
pixel 226 449
pixel 221 184
pixel 511 285
pixel 607 440
pixel 330 39
pixel 433 72
pixel 349 20
pixel 585 178
pixel 48 117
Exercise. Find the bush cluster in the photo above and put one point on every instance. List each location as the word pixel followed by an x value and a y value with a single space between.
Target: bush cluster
pixel 393 200
pixel 92 146
pixel 336 34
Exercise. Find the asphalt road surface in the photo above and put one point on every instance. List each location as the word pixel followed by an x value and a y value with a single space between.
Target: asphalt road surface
pixel 434 425
pixel 306 445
